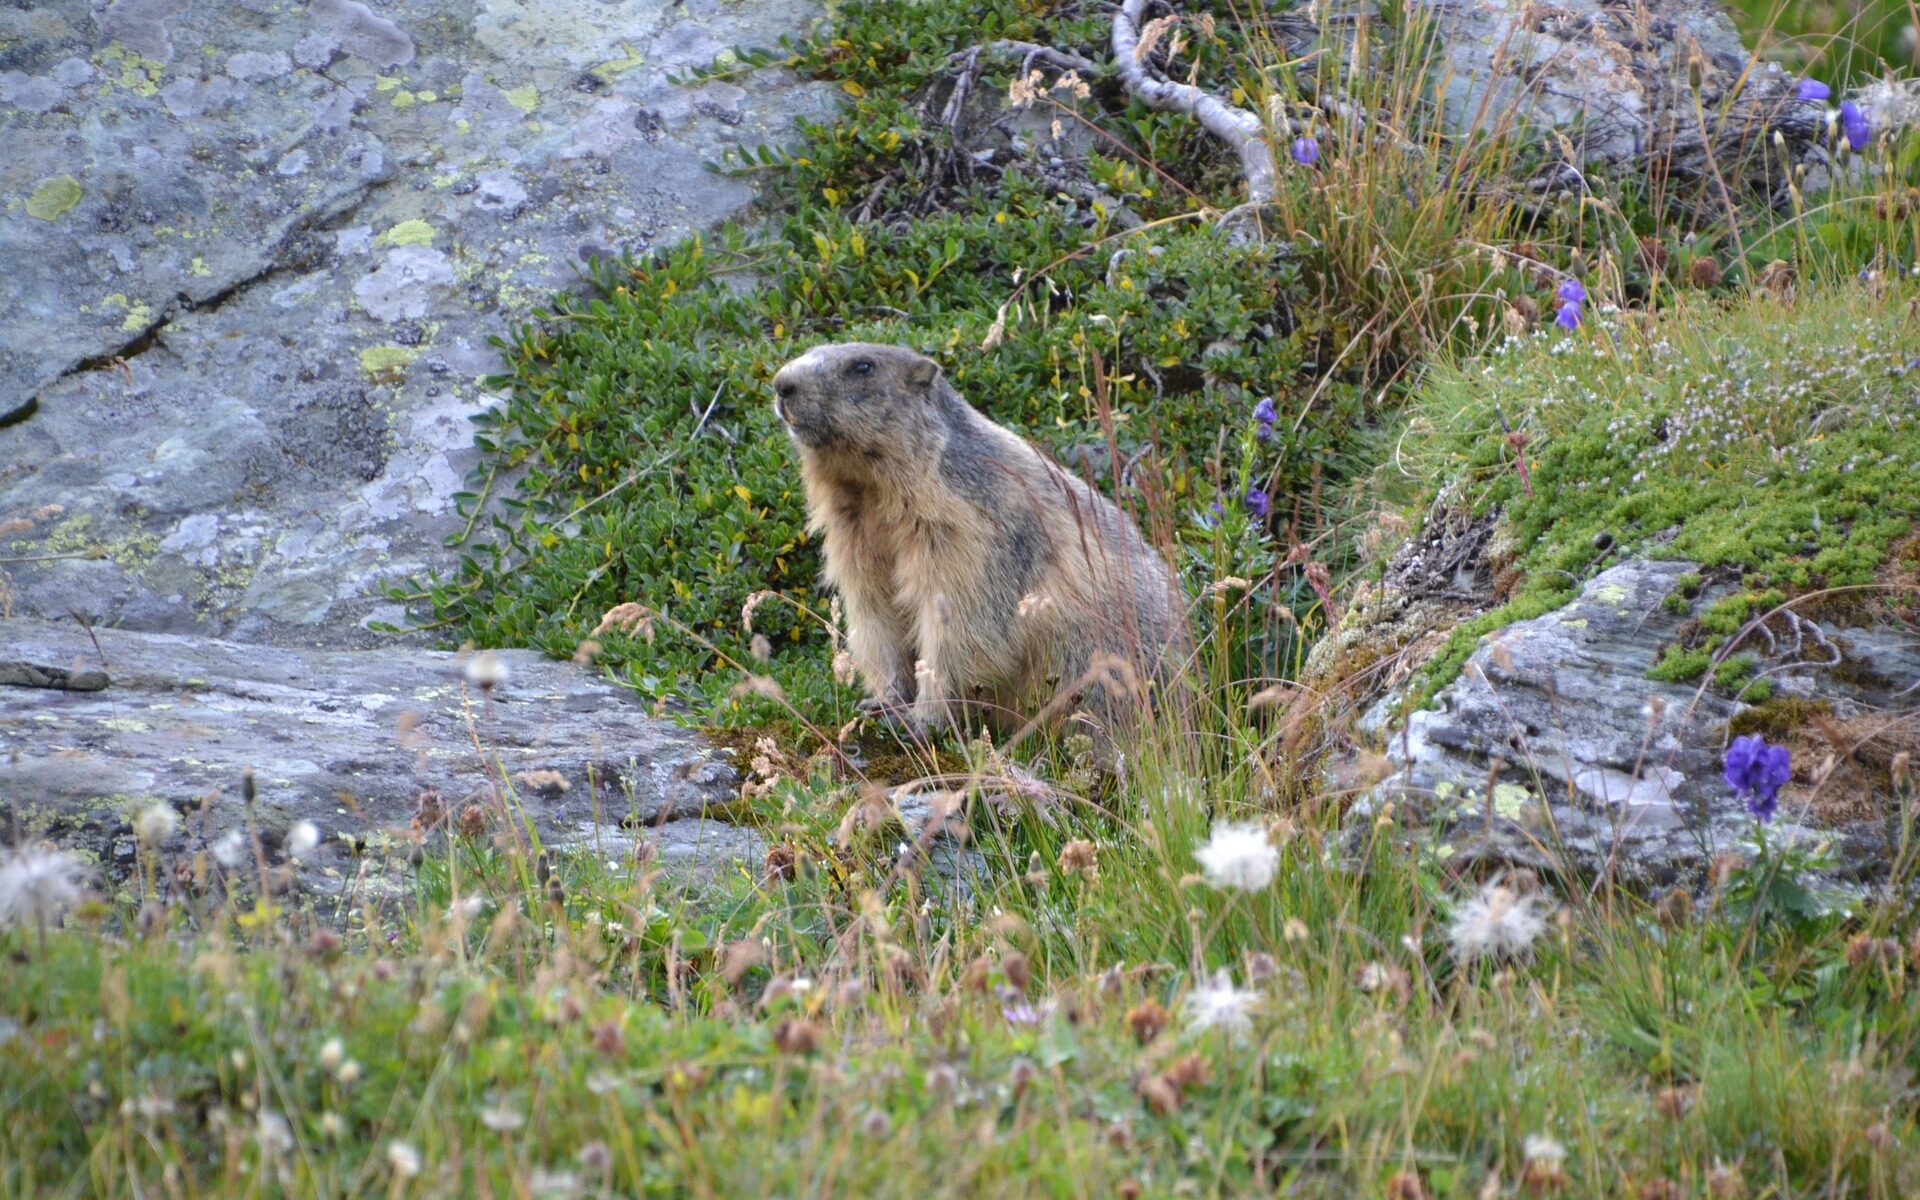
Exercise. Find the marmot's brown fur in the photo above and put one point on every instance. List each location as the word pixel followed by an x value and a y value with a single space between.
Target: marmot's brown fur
pixel 973 571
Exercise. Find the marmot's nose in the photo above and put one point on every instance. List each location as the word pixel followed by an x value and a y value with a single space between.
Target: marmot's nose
pixel 784 388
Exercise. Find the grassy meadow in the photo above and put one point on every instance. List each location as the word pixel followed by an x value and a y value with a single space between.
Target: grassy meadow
pixel 1192 978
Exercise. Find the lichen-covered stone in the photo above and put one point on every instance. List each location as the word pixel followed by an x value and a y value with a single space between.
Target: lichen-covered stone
pixel 347 739
pixel 253 265
pixel 1555 748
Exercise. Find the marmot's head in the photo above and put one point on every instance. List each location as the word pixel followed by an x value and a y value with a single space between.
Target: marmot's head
pixel 857 397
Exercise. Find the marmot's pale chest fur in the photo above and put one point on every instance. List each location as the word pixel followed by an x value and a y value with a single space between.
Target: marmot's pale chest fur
pixel 973 571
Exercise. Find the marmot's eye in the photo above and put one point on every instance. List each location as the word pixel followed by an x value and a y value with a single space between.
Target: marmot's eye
pixel 862 366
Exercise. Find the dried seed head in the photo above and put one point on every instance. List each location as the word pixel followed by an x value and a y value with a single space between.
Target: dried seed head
pixel 1674 1102
pixel 1189 1073
pixel 1019 974
pixel 796 1036
pixel 746 610
pixel 1724 1181
pixel 473 821
pixel 1160 1096
pixel 1405 1185
pixel 551 783
pixel 608 1042
pixel 1146 1020
pixel 1079 857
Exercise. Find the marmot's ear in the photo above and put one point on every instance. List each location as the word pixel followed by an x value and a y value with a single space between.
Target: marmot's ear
pixel 923 373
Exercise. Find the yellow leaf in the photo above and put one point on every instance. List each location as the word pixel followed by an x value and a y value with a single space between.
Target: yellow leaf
pixel 852 89
pixel 743 493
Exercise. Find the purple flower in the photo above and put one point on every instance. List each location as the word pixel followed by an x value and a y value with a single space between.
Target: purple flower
pixel 1571 291
pixel 1813 89
pixel 1257 502
pixel 1021 1013
pixel 1569 316
pixel 1265 413
pixel 1853 123
pixel 1306 150
pixel 1756 772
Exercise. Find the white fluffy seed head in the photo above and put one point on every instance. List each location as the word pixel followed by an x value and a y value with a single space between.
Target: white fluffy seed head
pixel 1218 1004
pixel 302 838
pixel 486 670
pixel 38 884
pixel 404 1160
pixel 231 850
pixel 1539 1148
pixel 1238 857
pixel 155 824
pixel 1498 922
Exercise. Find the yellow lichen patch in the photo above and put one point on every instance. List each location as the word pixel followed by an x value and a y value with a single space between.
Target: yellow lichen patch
pixel 139 315
pixel 410 233
pixel 1510 799
pixel 607 70
pixel 525 98
pixel 54 196
pixel 385 361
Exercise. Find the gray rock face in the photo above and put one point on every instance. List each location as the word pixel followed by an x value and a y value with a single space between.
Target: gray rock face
pixel 346 739
pixel 1619 80
pixel 1590 763
pixel 254 254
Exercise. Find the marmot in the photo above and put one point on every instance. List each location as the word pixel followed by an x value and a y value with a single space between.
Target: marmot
pixel 974 572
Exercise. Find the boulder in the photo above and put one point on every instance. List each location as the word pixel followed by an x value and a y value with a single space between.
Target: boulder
pixel 1553 748
pixel 256 256
pixel 95 727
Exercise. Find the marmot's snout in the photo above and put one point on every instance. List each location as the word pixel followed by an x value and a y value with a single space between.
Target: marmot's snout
pixel 836 397
pixel 802 412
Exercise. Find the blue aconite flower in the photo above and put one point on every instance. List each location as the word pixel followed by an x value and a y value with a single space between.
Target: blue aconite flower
pixel 1265 413
pixel 1571 292
pixel 1306 150
pixel 1257 502
pixel 1756 772
pixel 1813 89
pixel 1569 315
pixel 1854 124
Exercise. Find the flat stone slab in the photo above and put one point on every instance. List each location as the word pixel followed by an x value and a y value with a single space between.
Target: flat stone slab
pixel 255 254
pixel 346 739
pixel 1554 748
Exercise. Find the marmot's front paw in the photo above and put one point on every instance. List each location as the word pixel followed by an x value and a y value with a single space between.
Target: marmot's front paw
pixel 896 717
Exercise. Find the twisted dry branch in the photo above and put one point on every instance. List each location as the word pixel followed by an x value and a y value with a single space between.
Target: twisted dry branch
pixel 1241 130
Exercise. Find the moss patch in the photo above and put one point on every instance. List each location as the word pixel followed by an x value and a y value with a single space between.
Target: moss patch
pixel 1761 438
